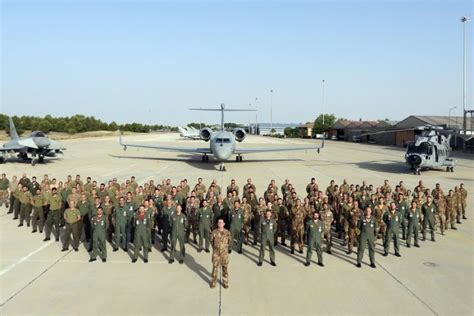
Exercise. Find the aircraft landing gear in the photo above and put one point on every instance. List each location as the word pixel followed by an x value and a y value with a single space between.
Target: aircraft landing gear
pixel 221 167
pixel 2 159
pixel 34 161
pixel 417 171
pixel 238 158
pixel 205 158
pixel 41 159
pixel 449 169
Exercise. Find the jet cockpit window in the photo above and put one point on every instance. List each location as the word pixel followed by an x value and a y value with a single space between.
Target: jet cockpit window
pixel 423 148
pixel 38 134
pixel 222 140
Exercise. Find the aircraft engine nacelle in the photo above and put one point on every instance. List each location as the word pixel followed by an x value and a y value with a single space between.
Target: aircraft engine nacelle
pixel 239 134
pixel 205 134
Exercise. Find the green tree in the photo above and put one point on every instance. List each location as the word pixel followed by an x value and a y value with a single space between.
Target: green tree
pixel 320 127
pixel 291 132
pixel 45 126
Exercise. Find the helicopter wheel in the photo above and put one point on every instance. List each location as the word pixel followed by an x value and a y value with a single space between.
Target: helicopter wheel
pixel 452 169
pixel 33 161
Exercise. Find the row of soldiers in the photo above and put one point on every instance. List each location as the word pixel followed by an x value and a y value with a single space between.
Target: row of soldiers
pixel 131 213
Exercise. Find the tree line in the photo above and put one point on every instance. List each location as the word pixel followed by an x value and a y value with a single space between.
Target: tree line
pixel 74 124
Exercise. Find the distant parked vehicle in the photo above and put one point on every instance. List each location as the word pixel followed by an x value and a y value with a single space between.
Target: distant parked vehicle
pixel 356 139
pixel 333 137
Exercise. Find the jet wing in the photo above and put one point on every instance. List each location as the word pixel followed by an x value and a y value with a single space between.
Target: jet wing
pixel 11 147
pixel 277 149
pixel 54 145
pixel 166 148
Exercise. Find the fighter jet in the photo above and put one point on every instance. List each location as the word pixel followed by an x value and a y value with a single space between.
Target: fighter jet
pixel 37 145
pixel 189 132
pixel 222 144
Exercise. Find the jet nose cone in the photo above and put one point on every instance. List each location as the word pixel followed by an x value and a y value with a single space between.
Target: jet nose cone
pixel 42 142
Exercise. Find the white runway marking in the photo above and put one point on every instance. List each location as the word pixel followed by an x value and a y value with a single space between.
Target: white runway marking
pixel 13 265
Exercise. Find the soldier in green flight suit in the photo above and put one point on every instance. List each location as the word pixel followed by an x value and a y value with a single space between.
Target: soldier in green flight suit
pixel 120 220
pixel 392 222
pixel 141 239
pixel 52 221
pixel 314 233
pixel 402 208
pixel 205 219
pixel 178 223
pixel 72 218
pixel 268 228
pixel 429 211
pixel 37 217
pixel 236 218
pixel 100 225
pixel 166 213
pixel 368 228
pixel 413 217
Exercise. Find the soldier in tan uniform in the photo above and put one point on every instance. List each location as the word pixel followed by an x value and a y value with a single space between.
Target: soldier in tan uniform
pixel 220 241
pixel 463 192
pixel 25 206
pixel 72 218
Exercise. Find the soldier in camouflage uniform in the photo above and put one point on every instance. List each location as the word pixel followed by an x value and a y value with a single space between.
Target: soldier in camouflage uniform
pixel 353 218
pixel 328 218
pixel 458 208
pixel 220 241
pixel 4 184
pixel 191 213
pixel 441 215
pixel 268 228
pixel 451 204
pixel 297 227
pixel 247 212
pixel 463 194
pixel 283 221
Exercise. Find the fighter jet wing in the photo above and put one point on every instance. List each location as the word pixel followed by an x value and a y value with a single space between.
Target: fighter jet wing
pixel 277 149
pixel 166 148
pixel 11 147
pixel 54 145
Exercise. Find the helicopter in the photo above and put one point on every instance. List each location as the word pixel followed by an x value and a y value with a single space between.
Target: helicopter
pixel 430 150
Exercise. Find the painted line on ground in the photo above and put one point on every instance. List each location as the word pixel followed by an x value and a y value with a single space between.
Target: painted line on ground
pixel 13 265
pixel 34 279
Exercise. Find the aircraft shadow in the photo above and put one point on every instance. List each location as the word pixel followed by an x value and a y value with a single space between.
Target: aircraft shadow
pixel 195 160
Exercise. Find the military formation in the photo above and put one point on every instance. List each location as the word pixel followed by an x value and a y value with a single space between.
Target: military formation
pixel 136 217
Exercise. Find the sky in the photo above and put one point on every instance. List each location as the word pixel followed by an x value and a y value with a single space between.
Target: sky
pixel 149 61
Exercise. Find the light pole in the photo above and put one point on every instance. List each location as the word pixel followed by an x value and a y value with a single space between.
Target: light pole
pixel 256 116
pixel 322 88
pixel 271 112
pixel 449 115
pixel 464 19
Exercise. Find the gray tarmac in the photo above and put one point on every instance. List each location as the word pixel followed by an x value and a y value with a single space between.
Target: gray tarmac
pixel 36 278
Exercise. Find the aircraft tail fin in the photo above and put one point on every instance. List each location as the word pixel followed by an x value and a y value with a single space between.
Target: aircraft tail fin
pixel 222 109
pixel 13 133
